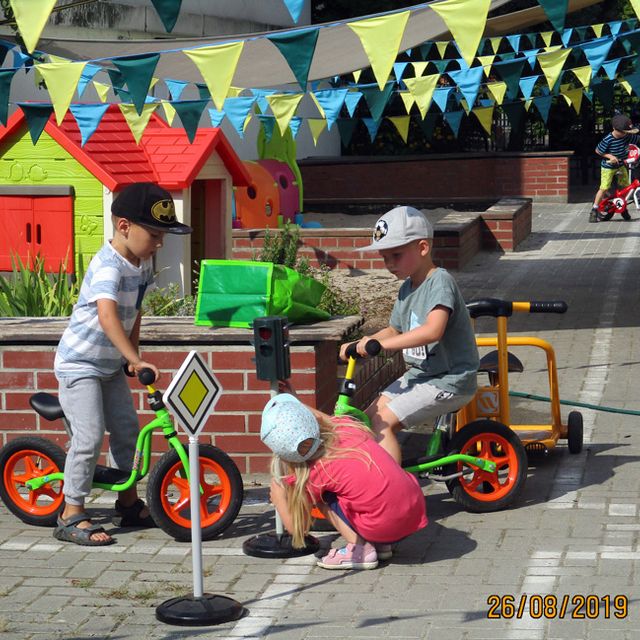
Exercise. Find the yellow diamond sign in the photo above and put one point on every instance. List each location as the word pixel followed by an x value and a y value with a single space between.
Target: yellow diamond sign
pixel 193 393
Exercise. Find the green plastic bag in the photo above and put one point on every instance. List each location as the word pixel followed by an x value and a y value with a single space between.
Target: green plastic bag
pixel 232 293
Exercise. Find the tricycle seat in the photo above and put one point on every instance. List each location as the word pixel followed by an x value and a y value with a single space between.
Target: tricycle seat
pixel 489 363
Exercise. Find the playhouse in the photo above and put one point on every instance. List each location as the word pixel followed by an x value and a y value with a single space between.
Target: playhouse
pixel 55 196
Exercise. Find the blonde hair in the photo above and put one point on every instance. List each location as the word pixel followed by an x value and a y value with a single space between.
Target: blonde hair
pixel 298 498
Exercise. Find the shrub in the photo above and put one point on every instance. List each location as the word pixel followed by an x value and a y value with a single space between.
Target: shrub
pixel 166 301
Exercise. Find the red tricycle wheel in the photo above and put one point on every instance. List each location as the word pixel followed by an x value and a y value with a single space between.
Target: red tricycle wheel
pixel 482 491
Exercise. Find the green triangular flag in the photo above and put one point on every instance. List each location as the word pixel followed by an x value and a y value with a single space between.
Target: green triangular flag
pixel 515 112
pixel 6 75
pixel 604 91
pixel 168 11
pixel 189 112
pixel 37 116
pixel 428 124
pixel 556 11
pixel 298 48
pixel 377 100
pixel 346 127
pixel 117 82
pixel 137 72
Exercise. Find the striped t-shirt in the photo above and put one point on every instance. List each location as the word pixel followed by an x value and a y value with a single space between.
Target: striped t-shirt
pixel 618 147
pixel 84 349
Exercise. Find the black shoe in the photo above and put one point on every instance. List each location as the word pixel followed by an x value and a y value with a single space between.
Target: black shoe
pixel 594 216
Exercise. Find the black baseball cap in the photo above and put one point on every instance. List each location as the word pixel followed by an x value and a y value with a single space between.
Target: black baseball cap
pixel 623 124
pixel 149 205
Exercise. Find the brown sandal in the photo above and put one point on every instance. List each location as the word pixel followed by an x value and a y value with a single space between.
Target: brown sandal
pixel 68 531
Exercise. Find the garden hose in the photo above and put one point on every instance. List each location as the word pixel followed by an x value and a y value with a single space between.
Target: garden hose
pixel 585 405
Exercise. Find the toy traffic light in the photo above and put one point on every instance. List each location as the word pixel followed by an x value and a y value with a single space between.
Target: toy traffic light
pixel 271 339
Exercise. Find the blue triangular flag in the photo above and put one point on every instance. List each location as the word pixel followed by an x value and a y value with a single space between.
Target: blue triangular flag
pixel 88 72
pixel 237 109
pixel 176 87
pixel 532 57
pixel 453 119
pixel 295 8
pixel 88 117
pixel 294 125
pixel 611 68
pixel 331 101
pixel 526 85
pixel 351 101
pixel 261 98
pixel 596 51
pixel 441 97
pixel 468 81
pixel 543 105
pixel 398 69
pixel 614 27
pixel 514 41
pixel 372 127
pixel 566 36
pixel 216 117
pixel 19 58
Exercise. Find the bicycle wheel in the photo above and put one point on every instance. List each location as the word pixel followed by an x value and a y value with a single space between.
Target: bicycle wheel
pixel 575 432
pixel 480 491
pixel 169 499
pixel 607 211
pixel 23 459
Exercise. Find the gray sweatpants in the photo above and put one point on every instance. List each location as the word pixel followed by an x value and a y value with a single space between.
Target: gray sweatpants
pixel 92 406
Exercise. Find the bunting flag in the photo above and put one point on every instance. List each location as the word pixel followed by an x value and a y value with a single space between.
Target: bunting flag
pixel 329 102
pixel 351 101
pixel 422 91
pixel 381 38
pixel 611 68
pixel 31 18
pixel 297 48
pixel 217 66
pixel 377 100
pixel 407 99
pixel 441 46
pixel 283 106
pixel 596 52
pixel 316 126
pixel 566 36
pixel 495 43
pixel 137 73
pixel 514 42
pixel 267 123
pixel 485 117
pixel 217 117
pixel 37 115
pixel 636 6
pixel 552 63
pixel 527 84
pixel 510 72
pixel 4 49
pixel 398 70
pixel 356 75
pixel 372 127
pixel 87 76
pixel 137 122
pixel 515 112
pixel 497 90
pixel 6 76
pixel 597 29
pixel 175 87
pixel 543 105
pixel 441 97
pixel 468 81
pixel 454 119
pixel 117 82
pixel 238 110
pixel 573 98
pixel 487 63
pixel 401 124
pixel 190 112
pixel 546 37
pixel 466 20
pixel 168 11
pixel 346 127
pixel 583 75
pixel 428 125
pixel 62 79
pixel 169 111
pixel 604 91
pixel 203 91
pixel 261 97
pixel 88 117
pixel 418 68
pixel 295 8
pixel 294 126
pixel 102 90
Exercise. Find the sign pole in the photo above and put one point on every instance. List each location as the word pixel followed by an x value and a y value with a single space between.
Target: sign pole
pixel 196 530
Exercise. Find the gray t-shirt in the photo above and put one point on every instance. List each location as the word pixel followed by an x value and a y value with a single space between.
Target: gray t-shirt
pixel 452 363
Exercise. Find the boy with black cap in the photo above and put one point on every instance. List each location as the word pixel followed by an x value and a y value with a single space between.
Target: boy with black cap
pixel 613 149
pixel 102 334
pixel 429 323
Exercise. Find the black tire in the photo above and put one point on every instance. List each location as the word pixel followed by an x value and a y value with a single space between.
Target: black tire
pixel 626 215
pixel 169 500
pixel 575 432
pixel 606 214
pixel 40 507
pixel 479 491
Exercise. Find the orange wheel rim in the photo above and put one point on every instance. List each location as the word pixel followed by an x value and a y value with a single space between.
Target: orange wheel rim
pixel 488 486
pixel 215 496
pixel 23 466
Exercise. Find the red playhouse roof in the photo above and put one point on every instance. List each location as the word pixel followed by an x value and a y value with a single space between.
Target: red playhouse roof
pixel 164 155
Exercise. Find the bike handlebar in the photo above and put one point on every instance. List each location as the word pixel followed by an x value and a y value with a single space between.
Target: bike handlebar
pixel 146 376
pixel 495 307
pixel 373 348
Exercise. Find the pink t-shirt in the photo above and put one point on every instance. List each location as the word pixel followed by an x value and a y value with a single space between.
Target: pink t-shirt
pixel 383 502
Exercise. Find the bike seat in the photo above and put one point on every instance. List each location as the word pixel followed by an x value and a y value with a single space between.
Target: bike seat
pixel 46 405
pixel 489 363
pixel 109 475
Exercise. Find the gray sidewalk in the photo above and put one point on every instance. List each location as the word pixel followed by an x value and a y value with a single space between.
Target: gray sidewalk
pixel 575 532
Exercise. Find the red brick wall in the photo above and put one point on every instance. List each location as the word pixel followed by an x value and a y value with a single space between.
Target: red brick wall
pixel 235 424
pixel 541 176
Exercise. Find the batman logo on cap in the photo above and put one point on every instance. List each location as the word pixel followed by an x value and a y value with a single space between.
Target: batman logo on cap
pixel 164 211
pixel 381 230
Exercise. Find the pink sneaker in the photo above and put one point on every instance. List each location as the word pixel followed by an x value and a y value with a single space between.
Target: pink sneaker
pixel 352 556
pixel 384 551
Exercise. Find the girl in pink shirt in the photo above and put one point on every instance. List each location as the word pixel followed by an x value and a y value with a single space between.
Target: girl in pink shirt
pixel 335 464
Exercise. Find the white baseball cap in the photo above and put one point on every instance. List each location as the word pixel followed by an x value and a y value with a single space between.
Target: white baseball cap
pixel 286 423
pixel 398 227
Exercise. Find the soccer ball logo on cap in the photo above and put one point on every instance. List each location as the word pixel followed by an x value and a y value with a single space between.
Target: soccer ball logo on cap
pixel 381 230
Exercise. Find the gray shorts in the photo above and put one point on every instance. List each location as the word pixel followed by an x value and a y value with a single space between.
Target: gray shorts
pixel 415 403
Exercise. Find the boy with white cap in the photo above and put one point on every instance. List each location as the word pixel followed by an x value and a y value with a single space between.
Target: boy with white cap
pixel 429 323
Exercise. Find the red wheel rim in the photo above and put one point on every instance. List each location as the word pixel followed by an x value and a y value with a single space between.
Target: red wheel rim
pixel 23 466
pixel 214 498
pixel 485 486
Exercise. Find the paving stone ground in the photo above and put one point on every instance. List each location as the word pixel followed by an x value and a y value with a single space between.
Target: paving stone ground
pixel 574 533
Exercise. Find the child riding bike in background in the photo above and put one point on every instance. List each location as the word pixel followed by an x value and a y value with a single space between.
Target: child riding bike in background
pixel 613 149
pixel 429 322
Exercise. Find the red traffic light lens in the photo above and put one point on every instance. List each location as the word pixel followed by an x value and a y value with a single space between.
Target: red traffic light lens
pixel 265 333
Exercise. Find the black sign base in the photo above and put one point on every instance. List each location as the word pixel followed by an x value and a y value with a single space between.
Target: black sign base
pixel 273 545
pixel 189 611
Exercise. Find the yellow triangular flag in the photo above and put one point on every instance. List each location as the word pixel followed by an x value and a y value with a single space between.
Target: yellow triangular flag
pixel 466 21
pixel 497 90
pixel 552 63
pixel 627 87
pixel 574 98
pixel 381 38
pixel 441 46
pixel 356 75
pixel 495 43
pixel 102 90
pixel 317 126
pixel 419 67
pixel 31 17
pixel 408 99
pixel 401 123
pixel 634 3
pixel 527 104
pixel 246 122
pixel 62 79
pixel 422 90
pixel 137 123
pixel 583 74
pixel 555 47
pixel 597 29
pixel 486 62
pixel 234 92
pixel 153 83
pixel 465 105
pixel 169 111
pixel 284 106
pixel 485 116
pixel 546 37
pixel 53 58
pixel 217 65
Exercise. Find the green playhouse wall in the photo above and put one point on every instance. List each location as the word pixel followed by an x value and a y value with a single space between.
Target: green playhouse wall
pixel 47 163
